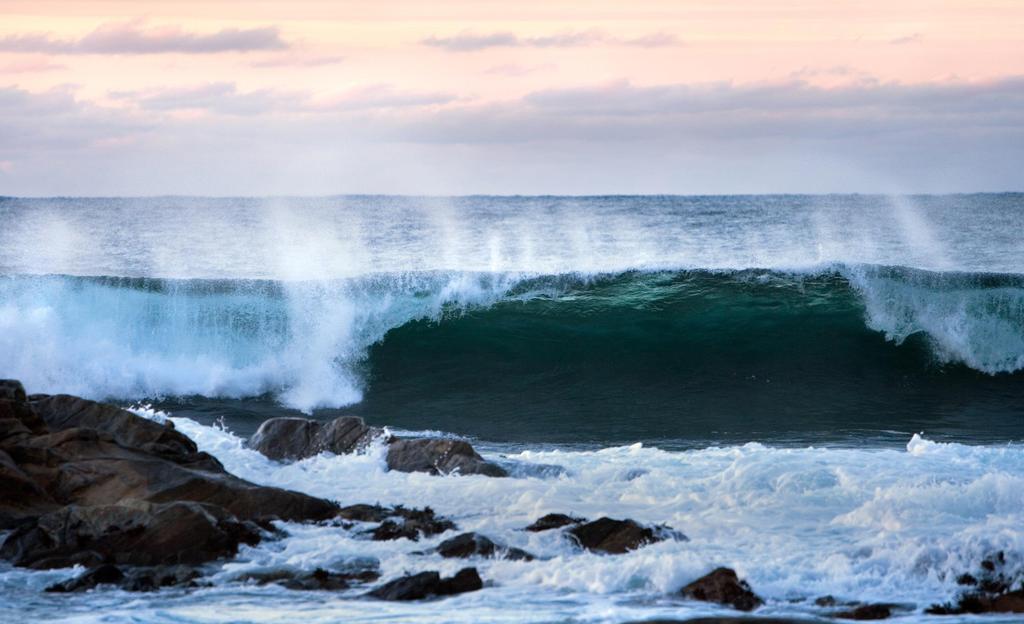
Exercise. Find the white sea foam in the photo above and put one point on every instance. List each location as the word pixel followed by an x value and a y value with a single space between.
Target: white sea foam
pixel 868 524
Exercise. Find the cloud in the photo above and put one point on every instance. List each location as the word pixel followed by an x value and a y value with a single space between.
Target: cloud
pixel 30 66
pixel 224 98
pixel 914 38
pixel 789 136
pixel 296 60
pixel 136 38
pixel 470 42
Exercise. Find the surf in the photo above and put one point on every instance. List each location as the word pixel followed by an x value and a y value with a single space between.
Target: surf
pixel 842 340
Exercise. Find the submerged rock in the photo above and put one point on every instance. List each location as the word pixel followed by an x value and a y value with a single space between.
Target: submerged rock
pixel 612 536
pixel 411 524
pixel 136 533
pixel 991 591
pixel 722 586
pixel 133 579
pixel 865 612
pixel 553 521
pixel 428 584
pixel 299 438
pixel 474 544
pixel 317 580
pixel 439 456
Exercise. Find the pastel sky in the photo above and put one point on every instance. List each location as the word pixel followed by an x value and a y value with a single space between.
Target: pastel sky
pixel 308 97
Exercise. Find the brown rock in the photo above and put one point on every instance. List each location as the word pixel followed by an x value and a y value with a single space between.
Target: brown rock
pixel 298 438
pixel 473 544
pixel 136 533
pixel 553 521
pixel 439 456
pixel 865 612
pixel 618 536
pixel 88 467
pixel 428 584
pixel 411 524
pixel 62 412
pixel 722 586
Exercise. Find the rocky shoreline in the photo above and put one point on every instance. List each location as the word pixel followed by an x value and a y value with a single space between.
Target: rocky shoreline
pixel 141 508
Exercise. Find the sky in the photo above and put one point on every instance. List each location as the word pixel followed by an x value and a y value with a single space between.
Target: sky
pixel 315 97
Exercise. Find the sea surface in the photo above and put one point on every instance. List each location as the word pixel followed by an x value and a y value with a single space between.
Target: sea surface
pixel 825 393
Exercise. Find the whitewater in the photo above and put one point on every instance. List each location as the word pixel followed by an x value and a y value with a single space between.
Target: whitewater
pixel 825 393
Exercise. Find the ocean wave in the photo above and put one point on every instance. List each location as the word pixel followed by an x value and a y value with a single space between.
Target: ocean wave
pixel 318 343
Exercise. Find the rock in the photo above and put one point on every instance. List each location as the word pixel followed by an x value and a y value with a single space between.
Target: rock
pixel 135 579
pixel 62 412
pixel 109 454
pixel 410 524
pixel 366 513
pixel 21 498
pixel 474 544
pixel 138 533
pixel 991 591
pixel 427 584
pixel 865 612
pixel 553 521
pixel 12 390
pixel 618 536
pixel 318 580
pixel 159 577
pixel 722 586
pixel 439 456
pixel 102 575
pixel 298 438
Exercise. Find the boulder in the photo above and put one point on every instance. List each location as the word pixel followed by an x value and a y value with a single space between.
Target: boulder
pixel 298 438
pixel 439 456
pixel 133 579
pixel 136 533
pixel 60 450
pixel 553 521
pixel 865 612
pixel 722 586
pixel 473 544
pixel 991 591
pixel 428 584
pixel 411 524
pixel 12 390
pixel 317 580
pixel 62 412
pixel 618 536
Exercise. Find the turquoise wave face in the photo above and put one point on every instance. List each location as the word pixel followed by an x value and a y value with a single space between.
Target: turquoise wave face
pixel 667 355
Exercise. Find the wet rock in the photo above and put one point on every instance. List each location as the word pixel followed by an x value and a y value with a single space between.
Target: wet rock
pixel 411 524
pixel 298 438
pixel 139 533
pixel 21 498
pixel 865 612
pixel 102 575
pixel 439 456
pixel 428 584
pixel 991 591
pixel 474 544
pixel 618 536
pixel 12 390
pixel 366 513
pixel 317 580
pixel 159 577
pixel 137 579
pixel 62 412
pixel 553 521
pixel 722 586
pixel 88 453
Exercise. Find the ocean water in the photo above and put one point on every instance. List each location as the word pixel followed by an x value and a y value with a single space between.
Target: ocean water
pixel 823 392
